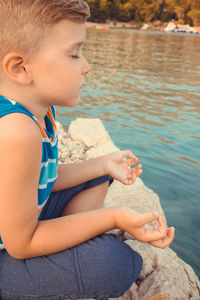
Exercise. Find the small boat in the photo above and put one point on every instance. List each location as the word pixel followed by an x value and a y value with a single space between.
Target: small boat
pixel 102 27
pixel 90 26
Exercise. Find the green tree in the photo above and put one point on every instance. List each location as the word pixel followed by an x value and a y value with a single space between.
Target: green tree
pixel 99 10
pixel 194 14
pixel 184 11
pixel 194 4
pixel 103 10
pixel 125 11
pixel 150 11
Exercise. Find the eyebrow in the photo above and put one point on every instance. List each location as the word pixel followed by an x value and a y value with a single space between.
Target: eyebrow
pixel 77 44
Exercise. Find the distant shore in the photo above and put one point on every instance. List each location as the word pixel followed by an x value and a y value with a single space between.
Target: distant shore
pixel 154 26
pixel 112 24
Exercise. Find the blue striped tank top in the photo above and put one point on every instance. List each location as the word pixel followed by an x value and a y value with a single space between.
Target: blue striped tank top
pixel 49 162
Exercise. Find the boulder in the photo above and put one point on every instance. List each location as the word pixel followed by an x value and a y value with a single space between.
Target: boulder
pixel 164 275
pixel 94 136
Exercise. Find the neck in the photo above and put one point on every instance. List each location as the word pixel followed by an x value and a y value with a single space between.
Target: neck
pixel 37 108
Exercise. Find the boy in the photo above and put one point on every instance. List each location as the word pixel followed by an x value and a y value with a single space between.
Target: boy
pixel 52 220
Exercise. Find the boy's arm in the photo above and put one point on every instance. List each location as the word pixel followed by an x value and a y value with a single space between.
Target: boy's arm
pixel 65 232
pixel 22 234
pixel 116 164
pixel 73 174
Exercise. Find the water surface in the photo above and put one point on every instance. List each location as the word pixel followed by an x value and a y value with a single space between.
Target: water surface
pixel 145 87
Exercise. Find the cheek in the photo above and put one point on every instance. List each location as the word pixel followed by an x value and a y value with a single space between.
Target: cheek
pixel 57 73
pixel 72 74
pixel 61 71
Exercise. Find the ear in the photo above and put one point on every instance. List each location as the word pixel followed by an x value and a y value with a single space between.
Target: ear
pixel 16 68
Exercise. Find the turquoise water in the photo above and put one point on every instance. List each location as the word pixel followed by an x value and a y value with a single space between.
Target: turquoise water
pixel 145 87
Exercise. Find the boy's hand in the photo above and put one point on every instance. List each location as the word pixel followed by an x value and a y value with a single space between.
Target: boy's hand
pixel 136 224
pixel 118 165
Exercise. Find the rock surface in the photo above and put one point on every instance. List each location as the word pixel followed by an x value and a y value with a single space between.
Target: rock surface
pixel 164 275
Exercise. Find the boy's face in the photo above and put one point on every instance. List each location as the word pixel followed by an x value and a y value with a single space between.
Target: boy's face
pixel 58 68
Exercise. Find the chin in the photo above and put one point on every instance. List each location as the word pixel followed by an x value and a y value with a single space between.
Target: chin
pixel 75 102
pixel 72 103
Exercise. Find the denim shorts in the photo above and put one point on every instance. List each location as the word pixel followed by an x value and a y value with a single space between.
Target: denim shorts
pixel 100 268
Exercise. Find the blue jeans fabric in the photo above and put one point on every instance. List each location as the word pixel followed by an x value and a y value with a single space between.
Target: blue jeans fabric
pixel 58 200
pixel 100 268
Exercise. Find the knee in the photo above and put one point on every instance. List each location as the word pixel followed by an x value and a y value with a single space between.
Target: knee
pixel 127 262
pixel 116 265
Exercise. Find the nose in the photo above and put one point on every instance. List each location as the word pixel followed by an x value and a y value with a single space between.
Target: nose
pixel 85 67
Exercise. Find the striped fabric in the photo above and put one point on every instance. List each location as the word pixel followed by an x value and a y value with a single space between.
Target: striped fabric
pixel 49 162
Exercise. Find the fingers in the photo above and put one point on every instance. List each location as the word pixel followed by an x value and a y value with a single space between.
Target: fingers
pixel 131 156
pixel 131 160
pixel 171 234
pixel 133 174
pixel 137 171
pixel 146 218
pixel 160 236
pixel 166 233
pixel 166 241
pixel 161 223
pixel 156 233
pixel 162 226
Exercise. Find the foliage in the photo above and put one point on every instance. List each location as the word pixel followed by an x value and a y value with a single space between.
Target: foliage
pixel 194 14
pixel 183 11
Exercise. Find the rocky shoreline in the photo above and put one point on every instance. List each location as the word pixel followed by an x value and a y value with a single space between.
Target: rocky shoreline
pixel 164 275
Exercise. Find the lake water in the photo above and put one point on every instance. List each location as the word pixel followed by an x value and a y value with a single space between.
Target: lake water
pixel 145 87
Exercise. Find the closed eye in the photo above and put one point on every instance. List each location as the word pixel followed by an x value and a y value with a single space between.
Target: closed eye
pixel 75 56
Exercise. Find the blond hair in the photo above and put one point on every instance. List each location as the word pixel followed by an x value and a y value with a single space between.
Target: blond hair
pixel 23 22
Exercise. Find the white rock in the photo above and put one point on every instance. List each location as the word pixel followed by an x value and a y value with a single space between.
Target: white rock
pixel 170 26
pixel 89 131
pixel 164 273
pixel 136 196
pixel 105 148
pixel 145 26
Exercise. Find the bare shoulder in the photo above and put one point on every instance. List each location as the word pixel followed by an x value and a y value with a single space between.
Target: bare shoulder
pixel 20 141
pixel 21 145
pixel 18 125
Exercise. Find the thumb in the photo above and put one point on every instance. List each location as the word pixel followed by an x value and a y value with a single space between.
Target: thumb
pixel 146 218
